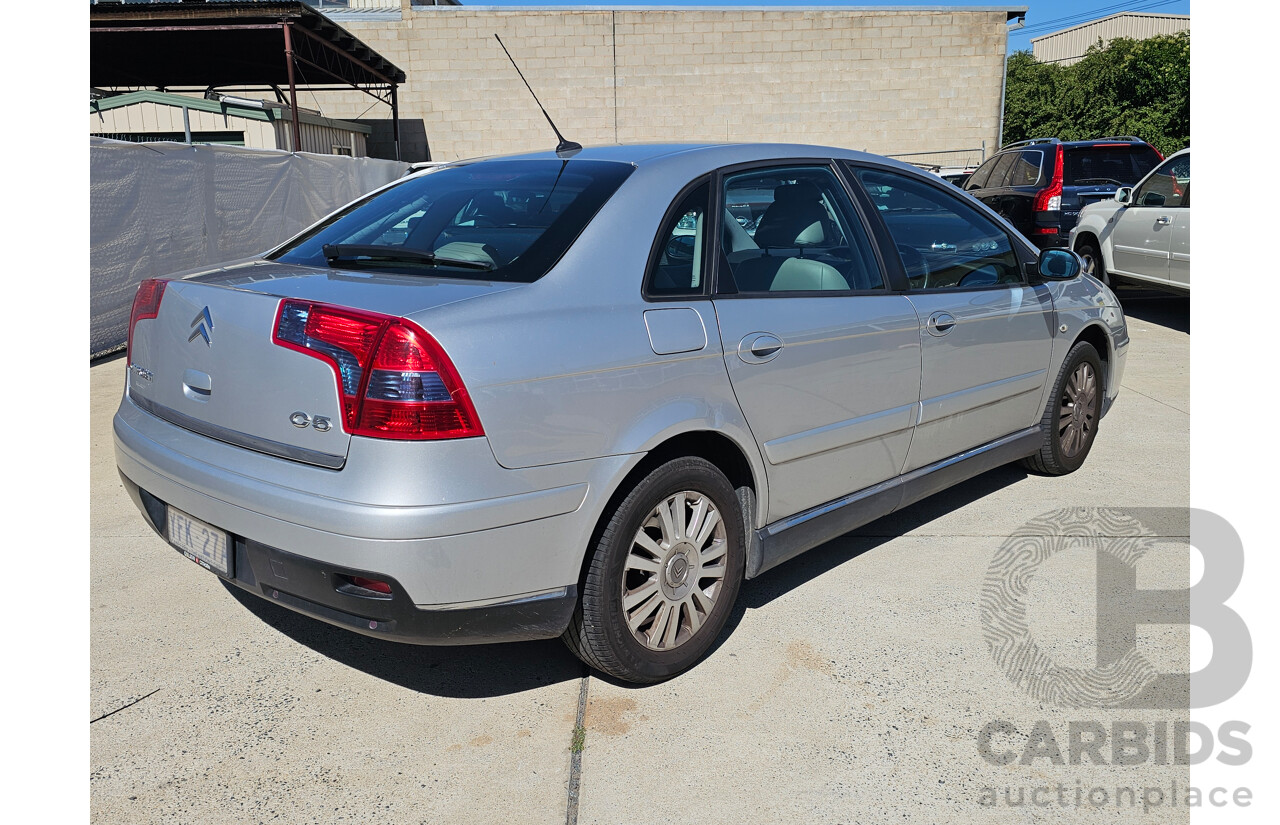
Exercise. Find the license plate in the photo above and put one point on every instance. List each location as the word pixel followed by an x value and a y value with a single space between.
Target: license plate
pixel 203 543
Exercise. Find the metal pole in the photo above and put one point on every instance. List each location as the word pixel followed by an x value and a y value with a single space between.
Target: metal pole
pixel 395 120
pixel 295 134
pixel 186 123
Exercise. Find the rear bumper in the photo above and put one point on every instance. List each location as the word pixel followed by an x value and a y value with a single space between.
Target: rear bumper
pixel 475 551
pixel 323 591
pixel 1057 240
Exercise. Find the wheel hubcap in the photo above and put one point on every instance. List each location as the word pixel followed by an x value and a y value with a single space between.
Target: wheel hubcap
pixel 674 571
pixel 1078 414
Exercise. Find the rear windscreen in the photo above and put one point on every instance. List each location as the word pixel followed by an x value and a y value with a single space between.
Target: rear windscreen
pixel 1122 165
pixel 495 220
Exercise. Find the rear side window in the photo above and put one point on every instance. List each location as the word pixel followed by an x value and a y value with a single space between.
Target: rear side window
pixel 1000 174
pixel 1122 165
pixel 794 230
pixel 492 220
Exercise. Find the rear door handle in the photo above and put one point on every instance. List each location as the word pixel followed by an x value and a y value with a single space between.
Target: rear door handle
pixel 940 323
pixel 759 347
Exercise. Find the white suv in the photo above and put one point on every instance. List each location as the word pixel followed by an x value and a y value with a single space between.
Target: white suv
pixel 1143 235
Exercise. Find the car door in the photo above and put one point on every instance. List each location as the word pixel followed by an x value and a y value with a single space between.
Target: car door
pixel 995 191
pixel 985 333
pixel 824 358
pixel 1142 240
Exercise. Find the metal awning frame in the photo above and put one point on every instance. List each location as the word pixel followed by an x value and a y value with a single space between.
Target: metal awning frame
pixel 326 57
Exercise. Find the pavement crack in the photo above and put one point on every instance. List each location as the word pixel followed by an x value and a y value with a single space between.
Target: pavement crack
pixel 127 705
pixel 1128 388
pixel 576 745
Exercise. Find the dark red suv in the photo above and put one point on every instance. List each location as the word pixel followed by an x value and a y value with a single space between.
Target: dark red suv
pixel 1040 185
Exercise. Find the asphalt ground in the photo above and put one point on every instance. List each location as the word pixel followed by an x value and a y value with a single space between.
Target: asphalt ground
pixel 852 684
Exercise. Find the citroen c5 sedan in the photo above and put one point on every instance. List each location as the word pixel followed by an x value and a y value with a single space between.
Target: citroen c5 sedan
pixel 587 395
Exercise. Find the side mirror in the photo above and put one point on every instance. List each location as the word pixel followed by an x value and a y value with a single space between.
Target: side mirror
pixel 1058 265
pixel 1124 193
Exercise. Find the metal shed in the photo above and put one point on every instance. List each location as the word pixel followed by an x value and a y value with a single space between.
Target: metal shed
pixel 149 116
pixel 1069 45
pixel 261 46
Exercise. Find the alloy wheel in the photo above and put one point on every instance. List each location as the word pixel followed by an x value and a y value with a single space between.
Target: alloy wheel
pixel 1078 413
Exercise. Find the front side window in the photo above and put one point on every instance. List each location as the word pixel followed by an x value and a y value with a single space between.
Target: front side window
pixel 794 229
pixel 497 220
pixel 943 242
pixel 980 176
pixel 1168 186
pixel 678 267
pixel 1000 174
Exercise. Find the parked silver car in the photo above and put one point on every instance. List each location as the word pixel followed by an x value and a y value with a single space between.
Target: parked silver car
pixel 1143 235
pixel 588 395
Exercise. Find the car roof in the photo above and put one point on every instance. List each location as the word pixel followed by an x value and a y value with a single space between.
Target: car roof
pixel 1038 143
pixel 713 155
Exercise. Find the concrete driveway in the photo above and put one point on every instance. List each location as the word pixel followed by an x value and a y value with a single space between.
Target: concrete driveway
pixel 852 684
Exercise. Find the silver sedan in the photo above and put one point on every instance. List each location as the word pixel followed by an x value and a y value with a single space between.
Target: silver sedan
pixel 588 394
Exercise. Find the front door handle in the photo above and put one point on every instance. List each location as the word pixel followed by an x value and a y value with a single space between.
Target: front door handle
pixel 759 347
pixel 1164 220
pixel 940 323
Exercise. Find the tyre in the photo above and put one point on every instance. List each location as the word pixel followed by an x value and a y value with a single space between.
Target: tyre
pixel 1070 421
pixel 1093 263
pixel 663 575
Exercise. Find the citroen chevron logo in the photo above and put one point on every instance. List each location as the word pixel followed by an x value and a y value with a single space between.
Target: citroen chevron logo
pixel 202 327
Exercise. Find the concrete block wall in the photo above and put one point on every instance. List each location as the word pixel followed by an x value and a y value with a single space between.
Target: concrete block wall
pixel 889 81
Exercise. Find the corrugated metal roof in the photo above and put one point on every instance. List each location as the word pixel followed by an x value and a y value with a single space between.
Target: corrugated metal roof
pixel 1070 45
pixel 270 113
pixel 1110 17
pixel 361 14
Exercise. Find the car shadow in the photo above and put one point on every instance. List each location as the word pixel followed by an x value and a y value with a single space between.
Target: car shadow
pixel 463 672
pixel 781 580
pixel 1160 308
pixel 477 671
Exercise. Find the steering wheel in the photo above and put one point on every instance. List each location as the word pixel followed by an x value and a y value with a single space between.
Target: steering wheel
pixel 916 266
pixel 982 276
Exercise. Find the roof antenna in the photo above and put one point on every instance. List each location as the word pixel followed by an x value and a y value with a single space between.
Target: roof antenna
pixel 566 148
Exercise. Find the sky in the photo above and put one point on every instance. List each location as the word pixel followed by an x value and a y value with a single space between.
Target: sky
pixel 1043 16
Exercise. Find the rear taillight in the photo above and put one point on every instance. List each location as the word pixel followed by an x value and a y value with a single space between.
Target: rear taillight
pixel 1049 199
pixel 146 304
pixel 394 378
